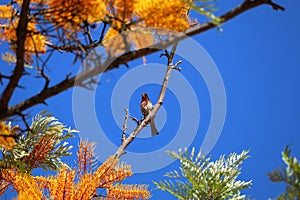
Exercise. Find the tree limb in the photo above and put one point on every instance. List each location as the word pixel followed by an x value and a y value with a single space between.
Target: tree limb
pixel 139 127
pixel 20 50
pixel 38 98
pixel 245 6
pixel 114 63
pixel 125 125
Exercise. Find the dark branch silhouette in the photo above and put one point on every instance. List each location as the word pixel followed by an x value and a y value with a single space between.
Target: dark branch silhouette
pixel 19 68
pixel 110 63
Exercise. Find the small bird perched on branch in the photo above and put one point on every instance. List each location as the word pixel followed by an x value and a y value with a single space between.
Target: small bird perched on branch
pixel 146 108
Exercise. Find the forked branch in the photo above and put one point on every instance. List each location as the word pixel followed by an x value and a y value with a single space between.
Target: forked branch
pixel 140 126
pixel 123 59
pixel 20 50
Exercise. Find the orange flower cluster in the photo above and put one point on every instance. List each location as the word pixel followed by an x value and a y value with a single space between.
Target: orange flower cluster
pixel 86 187
pixel 34 42
pixel 33 1
pixel 70 14
pixel 134 16
pixel 124 9
pixel 162 14
pixel 61 186
pixel 6 11
pixel 65 186
pixel 25 184
pixel 7 136
pixel 170 14
pixel 40 151
pixel 125 191
pixel 26 187
pixel 115 42
pixel 111 172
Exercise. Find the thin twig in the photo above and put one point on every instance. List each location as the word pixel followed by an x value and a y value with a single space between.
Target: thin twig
pixel 87 32
pixel 43 75
pixel 125 125
pixel 135 119
pixel 23 116
pixel 102 33
pixel 3 77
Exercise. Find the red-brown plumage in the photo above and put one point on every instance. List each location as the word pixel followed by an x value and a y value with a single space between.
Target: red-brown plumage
pixel 146 108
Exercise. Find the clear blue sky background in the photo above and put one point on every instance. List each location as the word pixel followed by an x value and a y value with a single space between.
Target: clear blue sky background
pixel 257 56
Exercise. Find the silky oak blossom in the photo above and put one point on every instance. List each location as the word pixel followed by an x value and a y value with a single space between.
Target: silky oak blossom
pixel 7 136
pixel 40 151
pixel 40 2
pixel 24 184
pixel 34 42
pixel 131 18
pixel 117 43
pixel 66 185
pixel 6 11
pixel 124 9
pixel 126 191
pixel 71 14
pixel 162 14
pixel 86 157
pixel 62 185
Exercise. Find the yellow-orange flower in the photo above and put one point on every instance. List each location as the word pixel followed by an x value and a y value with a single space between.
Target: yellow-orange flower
pixel 7 139
pixel 125 191
pixel 131 17
pixel 124 9
pixel 33 1
pixel 34 42
pixel 162 14
pixel 115 42
pixel 62 186
pixel 26 187
pixel 25 184
pixel 70 14
pixel 6 11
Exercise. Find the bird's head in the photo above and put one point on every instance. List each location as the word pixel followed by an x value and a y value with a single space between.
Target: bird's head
pixel 145 96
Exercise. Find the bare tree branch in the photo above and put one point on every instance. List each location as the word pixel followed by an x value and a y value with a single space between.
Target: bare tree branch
pixel 23 116
pixel 139 127
pixel 38 98
pixel 3 77
pixel 111 63
pixel 123 138
pixel 19 68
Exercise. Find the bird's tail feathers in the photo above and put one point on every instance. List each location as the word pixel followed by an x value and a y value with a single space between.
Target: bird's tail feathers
pixel 154 130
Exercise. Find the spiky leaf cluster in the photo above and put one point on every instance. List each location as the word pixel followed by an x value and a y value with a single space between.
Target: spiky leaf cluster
pixel 200 178
pixel 66 185
pixel 43 145
pixel 289 174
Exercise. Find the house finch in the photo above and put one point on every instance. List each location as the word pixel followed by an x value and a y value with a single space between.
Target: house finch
pixel 146 107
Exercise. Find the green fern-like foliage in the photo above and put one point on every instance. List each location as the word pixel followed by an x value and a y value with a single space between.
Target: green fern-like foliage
pixel 42 146
pixel 289 174
pixel 200 178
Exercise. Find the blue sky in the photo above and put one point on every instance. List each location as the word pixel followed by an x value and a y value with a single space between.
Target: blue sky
pixel 257 58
